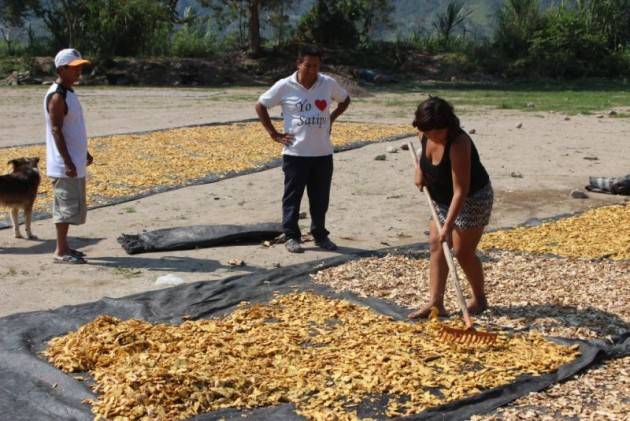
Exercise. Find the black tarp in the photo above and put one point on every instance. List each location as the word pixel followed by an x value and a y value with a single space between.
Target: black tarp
pixel 26 386
pixel 197 236
pixel 612 185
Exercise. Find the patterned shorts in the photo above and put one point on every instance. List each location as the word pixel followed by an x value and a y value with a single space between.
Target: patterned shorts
pixel 475 212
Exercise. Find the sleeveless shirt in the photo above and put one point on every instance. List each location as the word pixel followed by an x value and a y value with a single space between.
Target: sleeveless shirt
pixel 74 133
pixel 439 178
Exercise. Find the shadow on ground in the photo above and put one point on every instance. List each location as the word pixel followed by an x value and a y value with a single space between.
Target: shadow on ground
pixel 558 316
pixel 47 246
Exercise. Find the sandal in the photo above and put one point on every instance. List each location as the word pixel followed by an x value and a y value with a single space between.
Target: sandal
pixel 77 253
pixel 69 259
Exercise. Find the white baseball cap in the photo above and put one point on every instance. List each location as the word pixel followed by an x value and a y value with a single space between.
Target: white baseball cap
pixel 69 57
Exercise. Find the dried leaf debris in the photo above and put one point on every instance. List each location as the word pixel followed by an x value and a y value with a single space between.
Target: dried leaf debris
pixel 567 297
pixel 324 355
pixel 597 233
pixel 129 165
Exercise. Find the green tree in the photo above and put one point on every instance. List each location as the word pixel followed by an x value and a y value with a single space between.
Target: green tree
pixel 111 27
pixel 368 15
pixel 226 12
pixel 568 47
pixel 239 10
pixel 195 37
pixel 517 22
pixel 454 17
pixel 278 18
pixel 12 17
pixel 329 24
pixel 611 18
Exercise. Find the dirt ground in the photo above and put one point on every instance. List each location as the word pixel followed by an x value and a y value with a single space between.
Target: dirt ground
pixel 373 204
pixel 123 110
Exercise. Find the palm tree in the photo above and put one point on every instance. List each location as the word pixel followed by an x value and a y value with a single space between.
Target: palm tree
pixel 612 18
pixel 453 17
pixel 518 20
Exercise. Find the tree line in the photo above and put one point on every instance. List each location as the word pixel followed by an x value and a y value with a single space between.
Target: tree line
pixel 573 38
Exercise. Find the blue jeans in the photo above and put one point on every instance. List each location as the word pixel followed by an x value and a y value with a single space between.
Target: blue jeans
pixel 314 174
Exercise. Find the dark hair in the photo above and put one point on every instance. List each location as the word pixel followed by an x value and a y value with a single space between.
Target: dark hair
pixel 435 113
pixel 309 50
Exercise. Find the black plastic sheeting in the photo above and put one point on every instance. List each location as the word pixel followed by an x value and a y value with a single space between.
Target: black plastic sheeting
pixel 612 185
pixel 197 236
pixel 209 178
pixel 26 386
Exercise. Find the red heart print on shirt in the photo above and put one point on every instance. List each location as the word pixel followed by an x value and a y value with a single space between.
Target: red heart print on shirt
pixel 321 104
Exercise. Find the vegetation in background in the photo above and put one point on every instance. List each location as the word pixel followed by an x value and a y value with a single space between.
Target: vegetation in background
pixel 576 97
pixel 532 38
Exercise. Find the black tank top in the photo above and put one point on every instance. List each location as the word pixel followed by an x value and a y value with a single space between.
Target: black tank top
pixel 439 178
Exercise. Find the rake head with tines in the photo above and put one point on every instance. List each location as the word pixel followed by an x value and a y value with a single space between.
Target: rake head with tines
pixel 467 336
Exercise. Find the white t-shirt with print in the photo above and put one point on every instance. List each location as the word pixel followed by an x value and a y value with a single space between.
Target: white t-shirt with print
pixel 306 112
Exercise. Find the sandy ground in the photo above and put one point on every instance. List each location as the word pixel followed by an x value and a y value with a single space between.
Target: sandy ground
pixel 124 110
pixel 114 111
pixel 374 203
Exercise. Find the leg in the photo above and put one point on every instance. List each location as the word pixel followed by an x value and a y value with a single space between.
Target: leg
pixel 63 248
pixel 28 214
pixel 16 222
pixel 465 247
pixel 318 190
pixel 438 272
pixel 295 177
pixel 67 210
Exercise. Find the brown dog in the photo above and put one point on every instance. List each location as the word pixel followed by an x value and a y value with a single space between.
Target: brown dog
pixel 18 190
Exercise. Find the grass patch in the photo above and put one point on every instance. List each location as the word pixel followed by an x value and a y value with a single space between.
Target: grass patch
pixel 582 97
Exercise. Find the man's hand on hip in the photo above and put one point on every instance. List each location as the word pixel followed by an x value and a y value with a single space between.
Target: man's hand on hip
pixel 284 138
pixel 71 170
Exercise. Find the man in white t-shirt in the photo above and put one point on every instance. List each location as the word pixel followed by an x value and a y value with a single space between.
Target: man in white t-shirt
pixel 67 153
pixel 306 98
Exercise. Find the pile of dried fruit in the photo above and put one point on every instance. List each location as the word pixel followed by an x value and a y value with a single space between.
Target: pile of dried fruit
pixel 324 355
pixel 557 296
pixel 597 233
pixel 128 165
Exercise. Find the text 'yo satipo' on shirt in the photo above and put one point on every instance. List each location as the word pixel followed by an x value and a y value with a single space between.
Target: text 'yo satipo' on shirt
pixel 306 112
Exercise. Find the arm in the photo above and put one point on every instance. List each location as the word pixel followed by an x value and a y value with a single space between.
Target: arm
pixel 57 113
pixel 341 107
pixel 263 116
pixel 419 179
pixel 419 176
pixel 460 167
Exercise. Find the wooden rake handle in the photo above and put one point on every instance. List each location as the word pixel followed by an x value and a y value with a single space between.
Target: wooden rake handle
pixel 447 250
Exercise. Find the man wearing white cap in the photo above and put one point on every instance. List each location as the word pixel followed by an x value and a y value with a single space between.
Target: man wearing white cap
pixel 67 153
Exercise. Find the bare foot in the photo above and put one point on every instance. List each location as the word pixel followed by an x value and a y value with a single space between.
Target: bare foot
pixel 477 306
pixel 425 311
